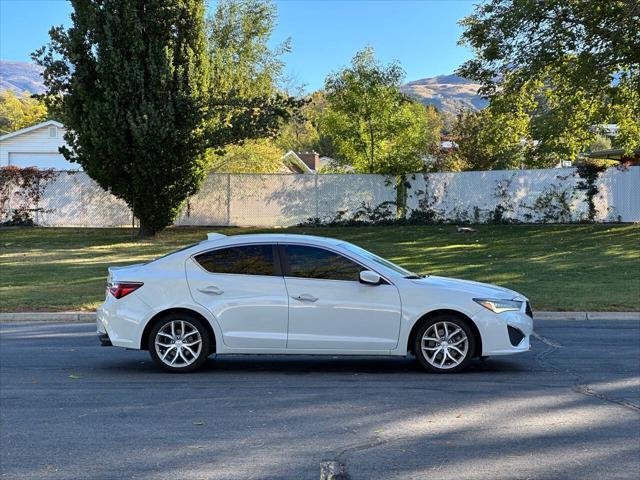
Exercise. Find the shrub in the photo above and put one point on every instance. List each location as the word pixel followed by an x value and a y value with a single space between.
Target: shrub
pixel 21 190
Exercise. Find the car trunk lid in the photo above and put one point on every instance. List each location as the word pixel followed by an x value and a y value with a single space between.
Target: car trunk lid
pixel 122 273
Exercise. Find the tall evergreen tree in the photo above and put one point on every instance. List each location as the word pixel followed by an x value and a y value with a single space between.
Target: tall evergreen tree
pixel 131 81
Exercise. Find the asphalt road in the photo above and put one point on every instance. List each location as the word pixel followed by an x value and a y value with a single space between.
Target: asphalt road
pixel 71 409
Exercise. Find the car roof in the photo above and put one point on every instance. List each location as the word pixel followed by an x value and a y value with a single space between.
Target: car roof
pixel 271 238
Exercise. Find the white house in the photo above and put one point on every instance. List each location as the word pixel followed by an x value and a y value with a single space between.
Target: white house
pixel 35 146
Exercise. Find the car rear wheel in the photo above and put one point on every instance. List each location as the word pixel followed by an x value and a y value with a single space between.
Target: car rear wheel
pixel 444 344
pixel 179 343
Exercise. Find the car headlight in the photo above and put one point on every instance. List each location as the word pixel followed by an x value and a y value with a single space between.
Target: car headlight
pixel 499 306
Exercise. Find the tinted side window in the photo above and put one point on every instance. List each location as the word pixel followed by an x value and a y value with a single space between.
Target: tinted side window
pixel 311 262
pixel 245 260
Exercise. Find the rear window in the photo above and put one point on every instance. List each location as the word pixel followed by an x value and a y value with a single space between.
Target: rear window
pixel 174 252
pixel 242 260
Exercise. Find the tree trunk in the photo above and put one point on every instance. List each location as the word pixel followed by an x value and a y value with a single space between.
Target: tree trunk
pixel 401 197
pixel 146 231
pixel 371 139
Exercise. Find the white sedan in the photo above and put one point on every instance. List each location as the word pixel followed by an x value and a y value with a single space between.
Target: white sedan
pixel 297 294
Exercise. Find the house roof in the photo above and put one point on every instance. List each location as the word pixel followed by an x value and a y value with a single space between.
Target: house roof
pixel 48 123
pixel 293 158
pixel 613 154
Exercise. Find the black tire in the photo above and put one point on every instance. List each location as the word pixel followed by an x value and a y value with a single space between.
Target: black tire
pixel 440 319
pixel 202 353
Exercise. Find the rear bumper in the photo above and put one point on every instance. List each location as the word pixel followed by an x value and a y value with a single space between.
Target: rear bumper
pixel 104 339
pixel 101 332
pixel 122 320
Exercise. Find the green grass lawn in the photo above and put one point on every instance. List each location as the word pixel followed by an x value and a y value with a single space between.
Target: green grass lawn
pixel 560 267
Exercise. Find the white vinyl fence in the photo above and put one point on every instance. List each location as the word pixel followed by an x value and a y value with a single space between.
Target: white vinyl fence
pixel 73 199
pixel 535 196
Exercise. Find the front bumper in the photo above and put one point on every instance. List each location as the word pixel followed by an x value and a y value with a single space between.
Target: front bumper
pixel 505 333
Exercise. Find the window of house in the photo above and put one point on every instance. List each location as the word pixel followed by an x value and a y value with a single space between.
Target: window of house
pixel 53 132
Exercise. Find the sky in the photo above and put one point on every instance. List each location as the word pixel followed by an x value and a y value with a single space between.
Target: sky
pixel 325 34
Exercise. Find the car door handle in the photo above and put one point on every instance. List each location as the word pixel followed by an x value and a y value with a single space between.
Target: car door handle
pixel 211 290
pixel 305 297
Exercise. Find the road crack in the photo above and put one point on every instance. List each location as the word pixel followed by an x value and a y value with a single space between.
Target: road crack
pixel 336 468
pixel 579 384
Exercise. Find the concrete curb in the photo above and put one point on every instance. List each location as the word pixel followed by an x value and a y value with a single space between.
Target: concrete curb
pixel 613 316
pixel 65 317
pixel 586 316
pixel 559 316
pixel 86 317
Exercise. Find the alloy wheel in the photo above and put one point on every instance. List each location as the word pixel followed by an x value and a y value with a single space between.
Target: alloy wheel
pixel 178 344
pixel 444 345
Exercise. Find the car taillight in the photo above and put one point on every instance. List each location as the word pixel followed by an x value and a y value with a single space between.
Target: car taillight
pixel 122 289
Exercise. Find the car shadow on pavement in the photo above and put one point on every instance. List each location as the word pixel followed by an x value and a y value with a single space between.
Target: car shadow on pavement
pixel 305 365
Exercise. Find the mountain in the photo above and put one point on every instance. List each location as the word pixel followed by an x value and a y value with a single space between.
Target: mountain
pixel 21 77
pixel 448 93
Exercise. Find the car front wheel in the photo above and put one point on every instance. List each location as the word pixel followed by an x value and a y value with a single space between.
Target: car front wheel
pixel 179 343
pixel 444 344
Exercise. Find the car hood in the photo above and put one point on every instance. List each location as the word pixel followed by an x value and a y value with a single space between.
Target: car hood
pixel 476 289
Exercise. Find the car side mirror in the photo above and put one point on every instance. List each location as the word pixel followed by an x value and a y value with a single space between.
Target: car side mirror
pixel 369 277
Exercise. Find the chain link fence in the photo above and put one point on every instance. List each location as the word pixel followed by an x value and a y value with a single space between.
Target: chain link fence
pixel 72 199
pixel 283 199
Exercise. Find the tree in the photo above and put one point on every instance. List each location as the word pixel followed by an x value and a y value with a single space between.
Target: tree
pixel 253 156
pixel 489 141
pixel 503 135
pixel 132 82
pixel 18 112
pixel 600 143
pixel 242 62
pixel 304 130
pixel 300 133
pixel 376 128
pixel 244 67
pixel 583 56
pixel 528 37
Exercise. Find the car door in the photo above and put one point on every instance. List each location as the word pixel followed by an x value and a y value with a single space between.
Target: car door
pixel 330 309
pixel 243 287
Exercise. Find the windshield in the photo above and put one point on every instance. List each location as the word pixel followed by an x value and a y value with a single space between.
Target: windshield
pixel 380 261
